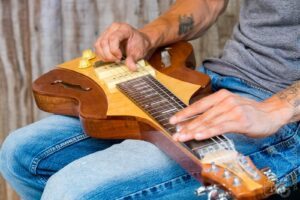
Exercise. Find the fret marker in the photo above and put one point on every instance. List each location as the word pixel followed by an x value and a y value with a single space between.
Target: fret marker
pixel 167 111
pixel 158 102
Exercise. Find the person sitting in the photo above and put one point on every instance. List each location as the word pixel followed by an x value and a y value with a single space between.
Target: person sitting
pixel 256 104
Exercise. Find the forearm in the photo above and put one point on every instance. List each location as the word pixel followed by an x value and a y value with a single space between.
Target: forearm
pixel 291 96
pixel 185 20
pixel 287 102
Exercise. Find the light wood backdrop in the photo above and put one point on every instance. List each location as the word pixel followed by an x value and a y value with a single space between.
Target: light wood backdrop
pixel 35 35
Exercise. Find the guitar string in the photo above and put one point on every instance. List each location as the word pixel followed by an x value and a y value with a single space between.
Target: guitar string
pixel 225 144
pixel 220 144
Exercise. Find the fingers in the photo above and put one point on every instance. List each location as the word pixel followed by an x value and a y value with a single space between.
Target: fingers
pixel 219 129
pixel 107 53
pixel 200 131
pixel 233 114
pixel 228 115
pixel 217 111
pixel 102 43
pixel 130 63
pixel 200 106
pixel 110 44
pixel 205 132
pixel 114 43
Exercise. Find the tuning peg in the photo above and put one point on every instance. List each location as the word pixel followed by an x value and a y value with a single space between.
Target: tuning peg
pixel 214 167
pixel 226 174
pixel 243 160
pixel 213 192
pixel 88 54
pixel 280 189
pixel 266 171
pixel 269 174
pixel 201 191
pixel 236 181
pixel 84 63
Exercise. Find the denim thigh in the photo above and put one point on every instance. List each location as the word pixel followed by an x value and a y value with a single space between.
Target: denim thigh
pixel 54 158
pixel 30 155
pixel 130 170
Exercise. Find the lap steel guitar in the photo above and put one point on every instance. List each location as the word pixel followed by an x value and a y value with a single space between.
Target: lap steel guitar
pixel 115 103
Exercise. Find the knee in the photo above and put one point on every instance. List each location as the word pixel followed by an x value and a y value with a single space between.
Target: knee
pixel 13 153
pixel 57 187
pixel 22 147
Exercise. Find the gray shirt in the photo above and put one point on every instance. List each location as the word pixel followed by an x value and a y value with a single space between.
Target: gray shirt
pixel 265 46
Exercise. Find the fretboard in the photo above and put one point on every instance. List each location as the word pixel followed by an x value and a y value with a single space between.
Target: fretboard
pixel 159 103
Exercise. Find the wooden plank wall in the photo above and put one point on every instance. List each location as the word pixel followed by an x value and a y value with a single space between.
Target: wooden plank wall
pixel 35 35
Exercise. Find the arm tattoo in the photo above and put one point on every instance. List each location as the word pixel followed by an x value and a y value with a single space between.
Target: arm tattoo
pixel 186 23
pixel 292 96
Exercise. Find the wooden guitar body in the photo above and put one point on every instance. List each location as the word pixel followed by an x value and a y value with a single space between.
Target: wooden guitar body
pixel 108 115
pixel 69 90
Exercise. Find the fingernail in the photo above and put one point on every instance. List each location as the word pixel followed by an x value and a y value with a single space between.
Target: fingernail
pixel 172 120
pixel 178 128
pixel 182 137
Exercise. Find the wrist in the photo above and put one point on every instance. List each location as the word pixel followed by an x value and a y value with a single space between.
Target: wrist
pixel 281 111
pixel 152 36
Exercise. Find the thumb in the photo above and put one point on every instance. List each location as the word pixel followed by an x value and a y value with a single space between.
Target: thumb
pixel 131 63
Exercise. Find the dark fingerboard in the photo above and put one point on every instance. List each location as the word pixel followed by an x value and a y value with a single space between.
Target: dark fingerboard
pixel 160 104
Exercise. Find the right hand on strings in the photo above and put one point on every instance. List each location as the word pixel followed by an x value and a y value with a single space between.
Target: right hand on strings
pixel 122 40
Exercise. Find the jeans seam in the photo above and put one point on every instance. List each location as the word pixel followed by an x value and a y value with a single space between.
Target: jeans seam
pixel 54 148
pixel 144 189
pixel 291 177
pixel 249 84
pixel 288 142
pixel 256 87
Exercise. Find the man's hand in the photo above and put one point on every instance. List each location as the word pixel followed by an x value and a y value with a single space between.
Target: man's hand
pixel 225 112
pixel 185 20
pixel 120 39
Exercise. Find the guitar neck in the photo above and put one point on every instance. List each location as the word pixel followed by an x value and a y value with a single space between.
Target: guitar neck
pixel 160 104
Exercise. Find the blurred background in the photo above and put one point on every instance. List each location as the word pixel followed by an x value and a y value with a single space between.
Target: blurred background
pixel 36 35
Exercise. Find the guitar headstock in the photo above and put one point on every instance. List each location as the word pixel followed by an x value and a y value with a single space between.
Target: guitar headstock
pixel 236 174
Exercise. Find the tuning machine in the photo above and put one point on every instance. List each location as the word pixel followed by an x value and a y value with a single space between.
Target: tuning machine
pixel 270 175
pixel 280 188
pixel 213 193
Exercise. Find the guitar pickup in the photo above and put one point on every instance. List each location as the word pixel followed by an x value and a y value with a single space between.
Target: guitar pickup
pixel 114 73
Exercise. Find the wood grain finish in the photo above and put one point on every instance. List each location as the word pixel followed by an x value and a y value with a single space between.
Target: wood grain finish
pixel 70 90
pixel 36 35
pixel 115 116
pixel 73 91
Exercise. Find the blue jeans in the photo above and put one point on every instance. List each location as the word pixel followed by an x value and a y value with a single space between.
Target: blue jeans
pixel 54 159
